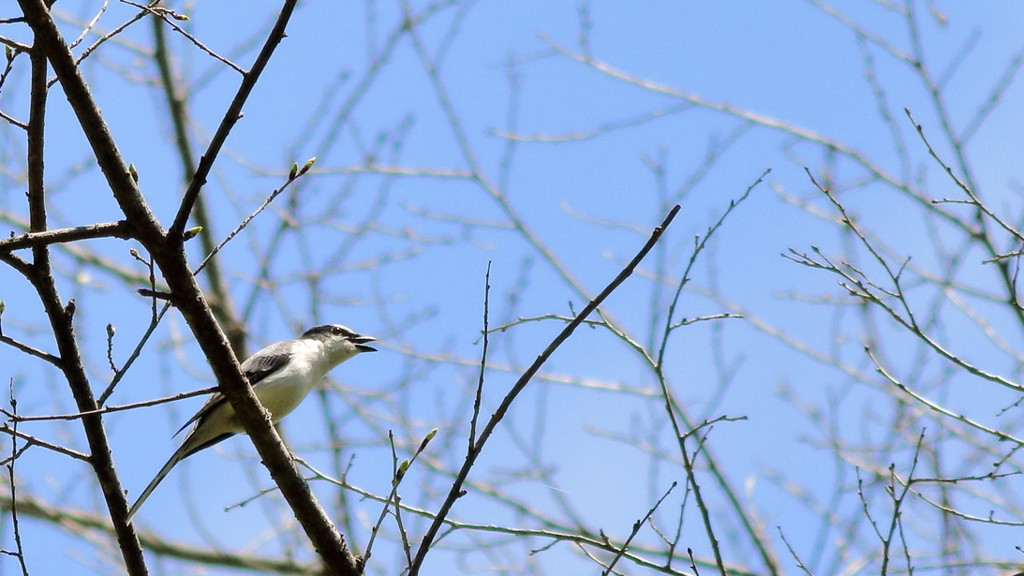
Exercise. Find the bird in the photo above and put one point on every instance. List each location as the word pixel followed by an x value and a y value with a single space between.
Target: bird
pixel 281 375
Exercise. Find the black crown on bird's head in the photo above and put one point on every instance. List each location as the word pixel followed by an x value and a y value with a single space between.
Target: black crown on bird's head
pixel 337 330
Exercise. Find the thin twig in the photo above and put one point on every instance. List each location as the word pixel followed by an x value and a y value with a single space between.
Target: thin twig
pixel 15 524
pixel 108 409
pixel 636 530
pixel 456 490
pixel 483 359
pixel 231 116
pixel 33 441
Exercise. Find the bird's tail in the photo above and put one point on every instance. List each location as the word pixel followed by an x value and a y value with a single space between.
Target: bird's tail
pixel 178 456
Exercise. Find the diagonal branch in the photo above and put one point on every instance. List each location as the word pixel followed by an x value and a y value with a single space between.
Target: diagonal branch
pixel 49 45
pixel 477 447
pixel 188 297
pixel 50 42
pixel 231 116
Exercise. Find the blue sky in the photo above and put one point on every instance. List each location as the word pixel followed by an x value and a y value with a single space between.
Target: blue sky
pixel 416 276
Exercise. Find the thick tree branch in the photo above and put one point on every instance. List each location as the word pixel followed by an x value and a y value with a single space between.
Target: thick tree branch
pixel 118 229
pixel 61 317
pixel 167 251
pixel 329 543
pixel 126 192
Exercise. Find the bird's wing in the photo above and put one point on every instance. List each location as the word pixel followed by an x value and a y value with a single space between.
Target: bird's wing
pixel 256 368
pixel 266 361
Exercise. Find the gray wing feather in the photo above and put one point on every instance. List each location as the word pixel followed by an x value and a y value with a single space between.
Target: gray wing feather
pixel 256 368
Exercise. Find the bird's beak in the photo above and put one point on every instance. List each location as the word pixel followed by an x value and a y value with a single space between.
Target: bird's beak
pixel 361 341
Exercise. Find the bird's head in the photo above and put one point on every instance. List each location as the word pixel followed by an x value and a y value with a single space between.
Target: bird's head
pixel 340 342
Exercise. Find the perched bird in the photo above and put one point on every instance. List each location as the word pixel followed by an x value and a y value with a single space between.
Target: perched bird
pixel 281 375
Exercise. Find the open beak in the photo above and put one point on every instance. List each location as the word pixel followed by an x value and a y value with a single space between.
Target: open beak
pixel 361 341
